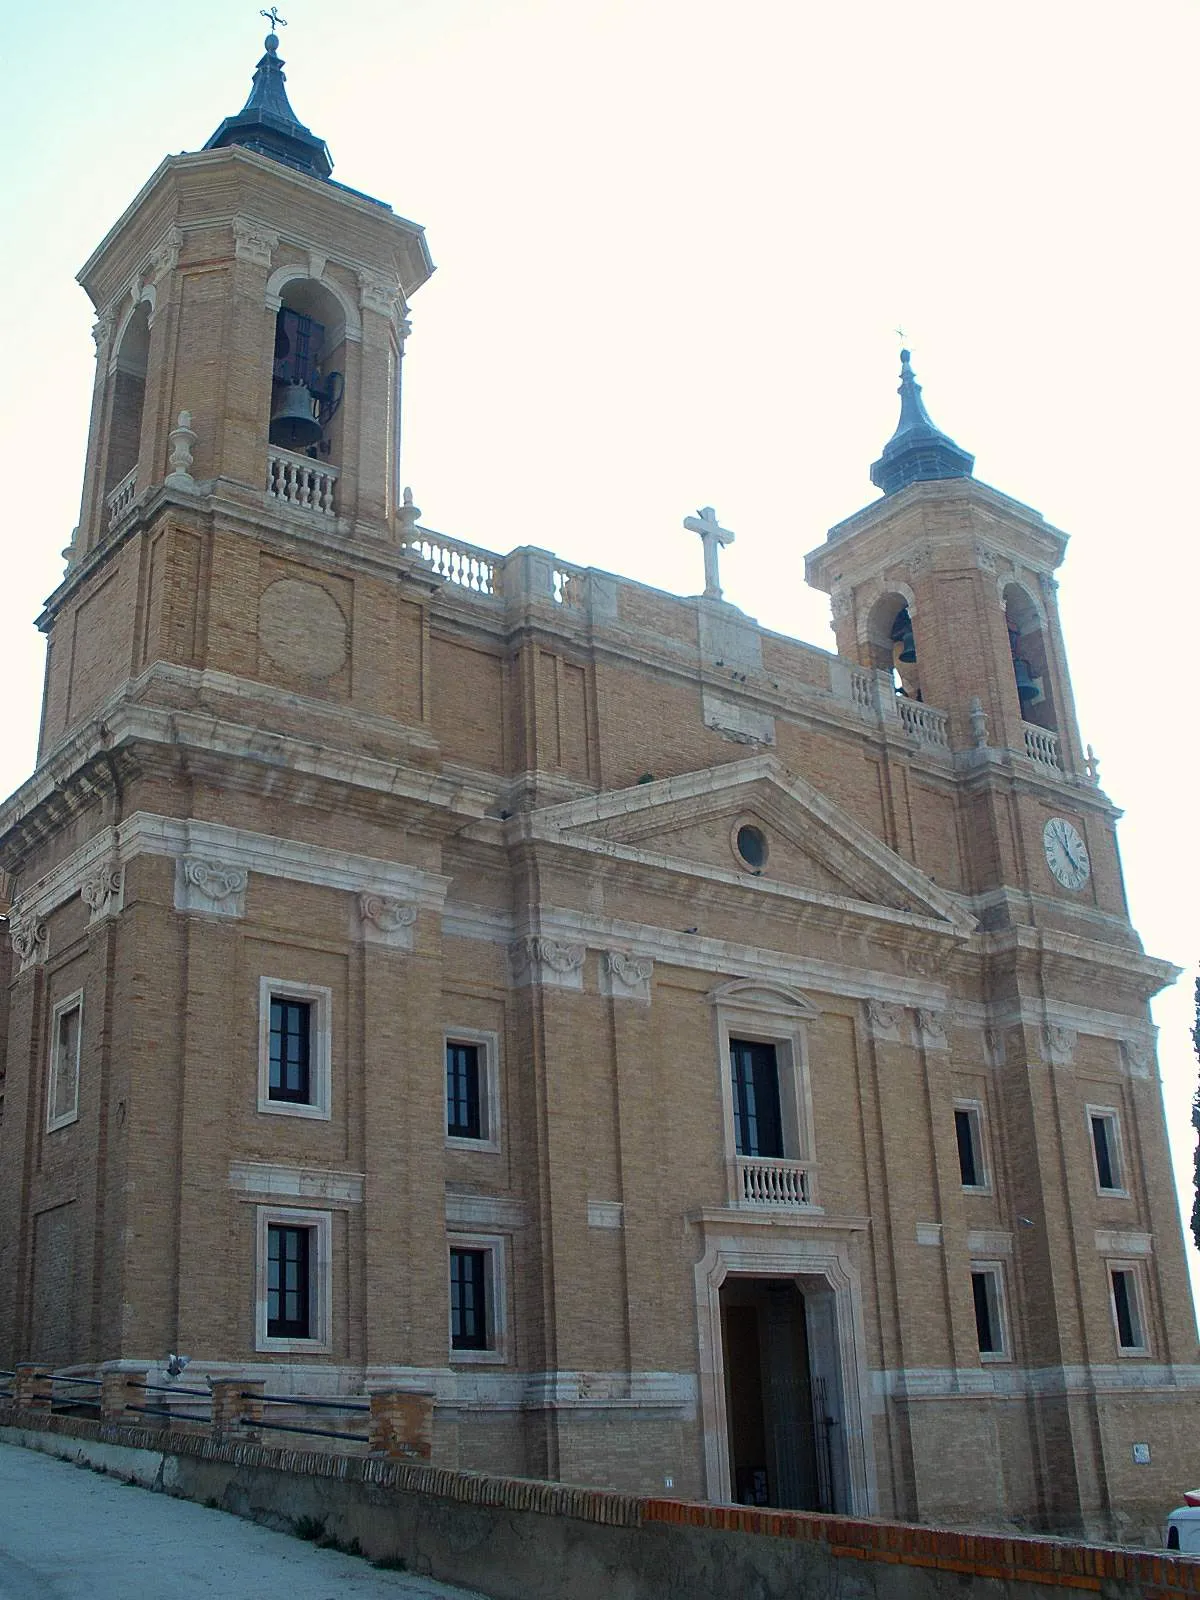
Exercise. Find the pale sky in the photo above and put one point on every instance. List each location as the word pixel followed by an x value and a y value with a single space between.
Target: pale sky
pixel 674 242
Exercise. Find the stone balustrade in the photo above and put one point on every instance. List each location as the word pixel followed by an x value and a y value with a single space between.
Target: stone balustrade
pixel 773 1181
pixel 1042 746
pixel 923 723
pixel 463 564
pixel 121 498
pixel 568 586
pixel 301 482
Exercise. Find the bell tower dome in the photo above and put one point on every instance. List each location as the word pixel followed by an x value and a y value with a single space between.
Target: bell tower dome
pixel 948 586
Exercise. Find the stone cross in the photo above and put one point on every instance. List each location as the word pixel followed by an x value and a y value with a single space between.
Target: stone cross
pixel 712 536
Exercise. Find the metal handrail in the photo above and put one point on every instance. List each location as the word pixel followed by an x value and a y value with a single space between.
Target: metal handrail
pixel 289 1427
pixel 169 1388
pixel 299 1400
pixel 92 1383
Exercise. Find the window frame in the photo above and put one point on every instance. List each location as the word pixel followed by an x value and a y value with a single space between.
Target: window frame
pixel 1111 1117
pixel 493 1248
pixel 487 1042
pixel 1135 1305
pixel 319 1225
pixel 320 1048
pixel 71 1002
pixel 993 1271
pixel 763 1012
pixel 976 1111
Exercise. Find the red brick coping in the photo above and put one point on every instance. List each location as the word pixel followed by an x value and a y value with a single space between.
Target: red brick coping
pixel 1053 1562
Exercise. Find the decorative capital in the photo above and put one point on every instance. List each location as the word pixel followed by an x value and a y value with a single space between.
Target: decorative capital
pixel 841 604
pixel 210 886
pixel 383 919
pixel 921 560
pixel 626 976
pixel 164 257
pixel 30 941
pixel 379 294
pixel 1060 1044
pixel 547 961
pixel 883 1018
pixel 931 1028
pixel 987 559
pixel 103 891
pixel 1049 584
pixel 102 330
pixel 253 241
pixel 1139 1057
pixel 993 1044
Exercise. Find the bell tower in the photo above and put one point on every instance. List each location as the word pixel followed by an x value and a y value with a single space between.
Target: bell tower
pixel 949 585
pixel 251 321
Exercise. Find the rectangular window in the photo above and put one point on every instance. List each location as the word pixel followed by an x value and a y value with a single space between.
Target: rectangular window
pixel 468 1300
pixel 289 1309
pixel 758 1125
pixel 293 1279
pixel 294 1048
pixel 1106 1150
pixel 472 1089
pixel 988 1293
pixel 290 1050
pixel 463 1108
pixel 968 1128
pixel 1127 1310
pixel 66 1035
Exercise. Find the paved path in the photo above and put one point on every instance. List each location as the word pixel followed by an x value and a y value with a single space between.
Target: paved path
pixel 67 1533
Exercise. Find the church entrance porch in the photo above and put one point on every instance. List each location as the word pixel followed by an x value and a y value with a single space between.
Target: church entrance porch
pixel 777 1412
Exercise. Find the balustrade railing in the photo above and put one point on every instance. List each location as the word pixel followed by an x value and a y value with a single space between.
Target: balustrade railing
pixel 301 482
pixel 862 689
pixel 568 587
pixel 773 1181
pixel 923 722
pixel 1042 746
pixel 463 564
pixel 121 498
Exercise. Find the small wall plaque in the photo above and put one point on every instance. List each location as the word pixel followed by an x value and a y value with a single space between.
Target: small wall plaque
pixel 1141 1455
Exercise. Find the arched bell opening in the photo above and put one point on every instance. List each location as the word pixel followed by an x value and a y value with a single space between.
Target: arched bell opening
pixel 1027 646
pixel 128 398
pixel 892 644
pixel 307 378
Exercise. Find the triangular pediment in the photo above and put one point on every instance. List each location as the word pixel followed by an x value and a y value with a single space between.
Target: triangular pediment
pixel 815 850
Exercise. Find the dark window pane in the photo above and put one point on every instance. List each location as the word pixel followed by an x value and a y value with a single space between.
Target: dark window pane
pixel 468 1300
pixel 1127 1330
pixel 1101 1143
pixel 288 1282
pixel 985 1323
pixel 463 1119
pixel 964 1127
pixel 758 1126
pixel 290 1043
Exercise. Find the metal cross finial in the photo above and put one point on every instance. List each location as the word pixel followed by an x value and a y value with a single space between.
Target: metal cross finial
pixel 900 333
pixel 274 19
pixel 713 536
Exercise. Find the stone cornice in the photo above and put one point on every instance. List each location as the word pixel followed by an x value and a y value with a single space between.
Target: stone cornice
pixel 1071 956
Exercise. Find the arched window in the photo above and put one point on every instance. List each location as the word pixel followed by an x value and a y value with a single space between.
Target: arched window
pixel 307 383
pixel 892 643
pixel 128 399
pixel 1027 645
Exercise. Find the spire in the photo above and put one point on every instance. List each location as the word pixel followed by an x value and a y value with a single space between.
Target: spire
pixel 917 451
pixel 268 125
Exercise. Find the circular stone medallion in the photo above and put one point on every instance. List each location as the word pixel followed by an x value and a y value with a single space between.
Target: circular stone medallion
pixel 302 628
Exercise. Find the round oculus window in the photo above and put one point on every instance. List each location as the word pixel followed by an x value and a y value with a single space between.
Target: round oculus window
pixel 752 847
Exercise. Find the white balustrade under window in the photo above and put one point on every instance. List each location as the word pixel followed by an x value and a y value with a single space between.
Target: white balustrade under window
pixel 302 482
pixel 1042 746
pixel 923 722
pixel 122 497
pixel 773 1181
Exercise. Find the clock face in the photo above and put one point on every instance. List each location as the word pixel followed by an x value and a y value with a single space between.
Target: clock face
pixel 1066 853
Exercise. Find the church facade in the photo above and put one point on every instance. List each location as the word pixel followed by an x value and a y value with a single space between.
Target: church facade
pixel 709 1064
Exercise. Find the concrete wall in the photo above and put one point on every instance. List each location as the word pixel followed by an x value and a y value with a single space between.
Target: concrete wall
pixel 518 1539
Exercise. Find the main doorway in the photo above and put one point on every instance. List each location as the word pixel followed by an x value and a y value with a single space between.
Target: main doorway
pixel 778 1414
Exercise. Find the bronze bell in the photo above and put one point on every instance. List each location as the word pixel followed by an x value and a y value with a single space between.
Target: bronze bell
pixel 902 634
pixel 1028 687
pixel 294 424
